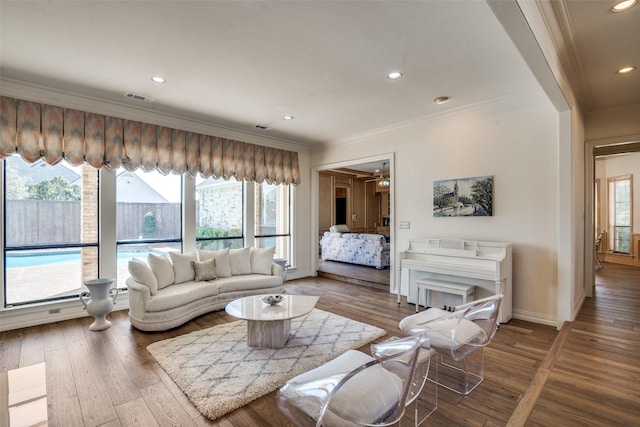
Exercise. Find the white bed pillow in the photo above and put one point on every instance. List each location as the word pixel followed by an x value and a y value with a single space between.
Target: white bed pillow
pixel 240 261
pixel 223 269
pixel 142 274
pixel 182 266
pixel 261 260
pixel 162 269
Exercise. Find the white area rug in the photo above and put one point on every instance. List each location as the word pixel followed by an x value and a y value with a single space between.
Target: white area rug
pixel 219 373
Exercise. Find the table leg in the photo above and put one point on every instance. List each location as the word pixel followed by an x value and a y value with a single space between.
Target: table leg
pixel 270 334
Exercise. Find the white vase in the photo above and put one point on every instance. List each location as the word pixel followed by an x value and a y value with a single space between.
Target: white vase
pixel 99 301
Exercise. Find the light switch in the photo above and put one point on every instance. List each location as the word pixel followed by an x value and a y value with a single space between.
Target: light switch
pixel 405 224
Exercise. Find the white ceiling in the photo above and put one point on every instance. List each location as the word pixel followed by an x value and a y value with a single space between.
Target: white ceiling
pixel 245 63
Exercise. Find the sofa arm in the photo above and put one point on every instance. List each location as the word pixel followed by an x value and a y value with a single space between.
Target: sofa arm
pixel 139 296
pixel 277 270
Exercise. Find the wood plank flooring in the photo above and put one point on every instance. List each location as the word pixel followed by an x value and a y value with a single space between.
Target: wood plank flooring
pixel 588 374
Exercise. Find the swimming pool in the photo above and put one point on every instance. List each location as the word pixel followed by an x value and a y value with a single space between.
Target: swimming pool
pixel 51 258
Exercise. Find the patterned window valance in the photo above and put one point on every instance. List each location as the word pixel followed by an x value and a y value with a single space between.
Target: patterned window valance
pixel 39 131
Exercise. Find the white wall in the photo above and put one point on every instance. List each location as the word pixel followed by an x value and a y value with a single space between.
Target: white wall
pixel 519 147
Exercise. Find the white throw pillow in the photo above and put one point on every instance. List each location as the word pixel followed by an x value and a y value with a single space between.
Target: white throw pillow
pixel 182 266
pixel 240 261
pixel 261 260
pixel 205 270
pixel 223 269
pixel 142 274
pixel 162 269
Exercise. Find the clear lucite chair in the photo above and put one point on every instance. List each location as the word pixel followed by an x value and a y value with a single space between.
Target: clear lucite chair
pixel 459 339
pixel 356 389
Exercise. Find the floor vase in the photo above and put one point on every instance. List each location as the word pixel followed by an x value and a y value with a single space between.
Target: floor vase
pixel 99 301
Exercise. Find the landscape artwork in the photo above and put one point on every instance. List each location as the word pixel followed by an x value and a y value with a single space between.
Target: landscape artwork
pixel 463 197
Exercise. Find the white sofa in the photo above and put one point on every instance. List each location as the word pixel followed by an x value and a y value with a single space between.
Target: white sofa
pixel 169 290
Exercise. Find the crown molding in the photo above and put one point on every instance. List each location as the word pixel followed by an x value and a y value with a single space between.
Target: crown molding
pixel 556 17
pixel 450 117
pixel 35 93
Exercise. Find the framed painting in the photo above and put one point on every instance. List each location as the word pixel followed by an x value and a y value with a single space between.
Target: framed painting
pixel 463 197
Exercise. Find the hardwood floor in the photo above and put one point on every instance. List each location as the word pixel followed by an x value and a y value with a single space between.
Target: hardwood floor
pixel 586 374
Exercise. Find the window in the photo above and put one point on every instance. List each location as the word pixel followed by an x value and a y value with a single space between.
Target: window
pixel 273 217
pixel 148 216
pixel 620 208
pixel 219 213
pixel 51 230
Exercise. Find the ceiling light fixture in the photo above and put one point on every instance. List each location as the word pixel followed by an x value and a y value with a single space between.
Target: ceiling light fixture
pixel 441 100
pixel 394 75
pixel 158 79
pixel 384 179
pixel 287 117
pixel 623 6
pixel 626 70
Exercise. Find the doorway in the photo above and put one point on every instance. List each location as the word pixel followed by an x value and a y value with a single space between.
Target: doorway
pixel 346 184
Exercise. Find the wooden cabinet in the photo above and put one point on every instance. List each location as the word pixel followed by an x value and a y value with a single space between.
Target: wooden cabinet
pixel 367 208
pixel 326 202
pixel 372 206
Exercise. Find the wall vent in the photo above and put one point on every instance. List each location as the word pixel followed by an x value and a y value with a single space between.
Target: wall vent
pixel 138 97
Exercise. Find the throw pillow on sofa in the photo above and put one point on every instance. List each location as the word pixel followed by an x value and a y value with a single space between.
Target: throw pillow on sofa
pixel 205 270
pixel 141 273
pixel 240 261
pixel 182 266
pixel 223 269
pixel 261 260
pixel 162 269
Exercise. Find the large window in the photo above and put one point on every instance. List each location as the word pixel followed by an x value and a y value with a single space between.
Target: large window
pixel 620 208
pixel 219 213
pixel 51 230
pixel 148 216
pixel 273 218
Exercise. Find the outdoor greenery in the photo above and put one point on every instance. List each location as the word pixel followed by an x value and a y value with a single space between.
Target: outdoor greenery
pixel 208 232
pixel 56 188
pixel 149 225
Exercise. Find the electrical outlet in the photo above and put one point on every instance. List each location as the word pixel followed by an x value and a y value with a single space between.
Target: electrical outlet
pixel 54 311
pixel 405 224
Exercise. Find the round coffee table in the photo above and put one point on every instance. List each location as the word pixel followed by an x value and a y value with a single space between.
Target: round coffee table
pixel 270 325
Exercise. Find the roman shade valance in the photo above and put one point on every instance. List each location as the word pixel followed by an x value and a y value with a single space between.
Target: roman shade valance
pixel 40 131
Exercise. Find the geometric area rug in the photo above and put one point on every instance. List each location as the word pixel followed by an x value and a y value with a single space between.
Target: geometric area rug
pixel 218 372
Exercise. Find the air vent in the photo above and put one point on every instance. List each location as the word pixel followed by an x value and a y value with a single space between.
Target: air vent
pixel 138 97
pixel 263 127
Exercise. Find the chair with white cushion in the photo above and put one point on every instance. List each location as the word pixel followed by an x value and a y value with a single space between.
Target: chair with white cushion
pixel 356 389
pixel 459 339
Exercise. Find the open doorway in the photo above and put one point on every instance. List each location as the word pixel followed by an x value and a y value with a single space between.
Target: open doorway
pixel 607 163
pixel 353 203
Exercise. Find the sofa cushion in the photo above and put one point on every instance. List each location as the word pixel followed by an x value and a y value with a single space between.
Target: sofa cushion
pixel 162 269
pixel 181 294
pixel 247 282
pixel 262 259
pixel 142 274
pixel 205 270
pixel 223 268
pixel 240 261
pixel 182 266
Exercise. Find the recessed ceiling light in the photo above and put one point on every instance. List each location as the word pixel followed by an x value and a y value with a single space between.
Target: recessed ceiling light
pixel 623 5
pixel 626 70
pixel 394 75
pixel 441 100
pixel 287 117
pixel 158 79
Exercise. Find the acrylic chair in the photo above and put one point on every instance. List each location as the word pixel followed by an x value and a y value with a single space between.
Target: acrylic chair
pixel 356 389
pixel 458 338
